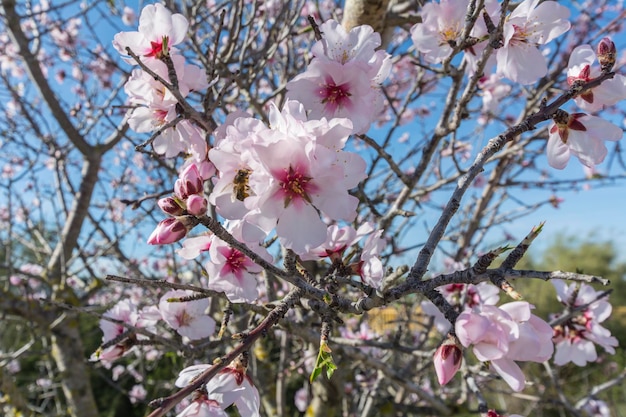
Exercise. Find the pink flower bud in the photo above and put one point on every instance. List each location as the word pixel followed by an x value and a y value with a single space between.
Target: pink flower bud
pixel 171 206
pixel 447 361
pixel 606 54
pixel 189 182
pixel 169 230
pixel 196 205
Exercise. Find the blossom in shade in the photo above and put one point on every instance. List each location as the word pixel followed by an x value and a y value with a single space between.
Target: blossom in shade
pixel 503 335
pixel 188 318
pixel 581 70
pixel 338 239
pixel 580 135
pixel 577 335
pixel 531 24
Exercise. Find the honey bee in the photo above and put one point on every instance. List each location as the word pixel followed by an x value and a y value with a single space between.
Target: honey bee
pixel 241 190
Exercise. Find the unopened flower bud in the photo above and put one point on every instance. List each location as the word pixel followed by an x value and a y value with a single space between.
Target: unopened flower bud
pixel 196 205
pixel 189 182
pixel 606 54
pixel 447 360
pixel 170 230
pixel 171 206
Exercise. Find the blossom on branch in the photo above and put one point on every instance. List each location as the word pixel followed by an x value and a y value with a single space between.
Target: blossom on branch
pixel 580 135
pixel 575 338
pixel 344 77
pixel 580 70
pixel 503 335
pixel 159 30
pixel 531 24
pixel 188 318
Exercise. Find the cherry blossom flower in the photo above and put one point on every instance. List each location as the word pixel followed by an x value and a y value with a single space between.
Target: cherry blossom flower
pixel 370 267
pixel 343 78
pixel 194 246
pixel 126 312
pixel 597 408
pixel 233 272
pixel 230 386
pixel 580 70
pixel 575 338
pixel 531 24
pixel 503 335
pixel 471 295
pixel 302 173
pixel 442 26
pixel 188 318
pixel 159 30
pixel 338 239
pixel 203 407
pixel 580 135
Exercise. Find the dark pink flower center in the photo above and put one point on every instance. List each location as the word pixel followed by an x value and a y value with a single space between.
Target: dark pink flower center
pixel 295 185
pixel 334 96
pixel 157 49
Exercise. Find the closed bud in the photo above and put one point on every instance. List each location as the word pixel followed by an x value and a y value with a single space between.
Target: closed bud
pixel 189 182
pixel 606 54
pixel 171 206
pixel 170 230
pixel 196 205
pixel 447 360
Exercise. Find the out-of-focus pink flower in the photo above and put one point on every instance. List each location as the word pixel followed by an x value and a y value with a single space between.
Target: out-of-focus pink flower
pixel 188 318
pixel 203 407
pixel 580 135
pixel 193 246
pixel 338 239
pixel 447 361
pixel 128 17
pixel 575 338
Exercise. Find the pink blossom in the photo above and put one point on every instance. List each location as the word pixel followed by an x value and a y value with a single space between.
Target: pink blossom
pixel 531 24
pixel 194 246
pixel 580 135
pixel 338 239
pixel 230 386
pixel 441 28
pixel 503 335
pixel 188 318
pixel 128 16
pixel 159 31
pixel 301 172
pixel 203 407
pixel 233 272
pixel 370 267
pixel 580 69
pixel 575 338
pixel 343 78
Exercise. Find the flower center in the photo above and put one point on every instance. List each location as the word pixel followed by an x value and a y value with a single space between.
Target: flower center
pixel 295 185
pixel 334 96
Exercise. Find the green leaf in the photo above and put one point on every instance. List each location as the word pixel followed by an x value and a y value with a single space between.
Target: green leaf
pixel 324 360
